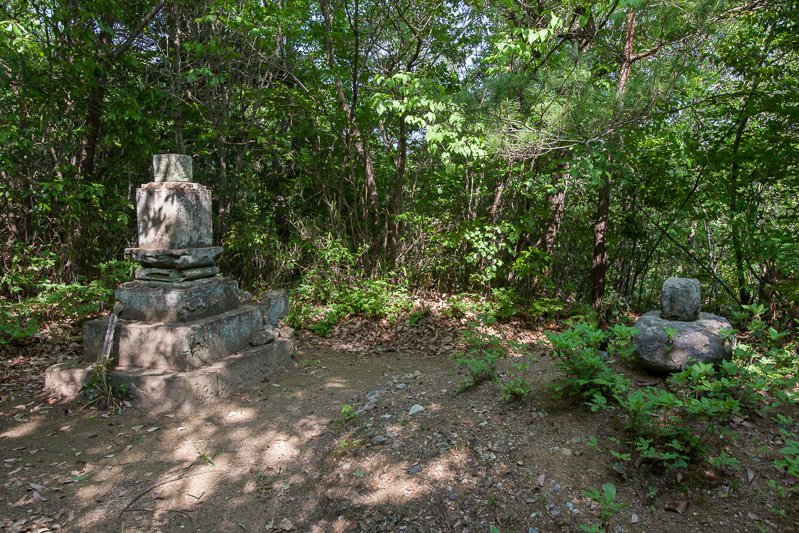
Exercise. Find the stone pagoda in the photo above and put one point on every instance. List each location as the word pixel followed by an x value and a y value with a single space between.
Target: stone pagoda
pixel 680 335
pixel 182 335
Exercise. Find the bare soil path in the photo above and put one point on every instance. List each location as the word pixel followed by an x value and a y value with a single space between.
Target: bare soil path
pixel 281 457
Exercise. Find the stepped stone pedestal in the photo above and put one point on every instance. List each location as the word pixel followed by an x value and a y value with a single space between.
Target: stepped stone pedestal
pixel 183 336
pixel 692 336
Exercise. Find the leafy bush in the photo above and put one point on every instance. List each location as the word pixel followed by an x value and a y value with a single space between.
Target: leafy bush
pixel 335 288
pixel 516 389
pixel 606 500
pixel 547 308
pixel 483 350
pixel 790 458
pixel 675 427
pixel 588 373
pixel 38 299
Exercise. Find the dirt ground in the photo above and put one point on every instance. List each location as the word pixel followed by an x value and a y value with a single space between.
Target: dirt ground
pixel 281 456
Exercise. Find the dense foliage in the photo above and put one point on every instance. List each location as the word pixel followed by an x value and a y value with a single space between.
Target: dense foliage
pixel 571 151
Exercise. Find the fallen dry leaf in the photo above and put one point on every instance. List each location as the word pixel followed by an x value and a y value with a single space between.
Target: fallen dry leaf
pixel 155 495
pixel 677 507
pixel 38 497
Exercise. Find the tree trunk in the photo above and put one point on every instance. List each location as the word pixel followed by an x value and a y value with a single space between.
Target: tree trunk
pixel 599 264
pixel 355 132
pixel 399 180
pixel 180 144
pixel 600 259
pixel 556 204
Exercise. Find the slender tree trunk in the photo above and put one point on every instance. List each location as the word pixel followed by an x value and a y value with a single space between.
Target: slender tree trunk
pixel 88 146
pixel 497 203
pixel 599 264
pixel 736 206
pixel 86 160
pixel 600 259
pixel 399 181
pixel 355 131
pixel 556 205
pixel 180 144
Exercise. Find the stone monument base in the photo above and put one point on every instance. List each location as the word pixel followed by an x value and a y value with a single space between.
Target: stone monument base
pixel 697 341
pixel 179 335
pixel 161 391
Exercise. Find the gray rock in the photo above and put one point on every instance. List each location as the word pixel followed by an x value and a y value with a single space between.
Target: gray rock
pixel 172 275
pixel 681 299
pixel 692 342
pixel 275 306
pixel 401 386
pixel 172 167
pixel 182 258
pixel 174 346
pixel 174 215
pixel 265 336
pixel 415 469
pixel 155 301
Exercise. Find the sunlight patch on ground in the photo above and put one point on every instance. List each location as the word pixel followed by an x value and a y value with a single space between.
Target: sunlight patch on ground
pixel 336 384
pixel 22 430
pixel 240 415
pixel 394 491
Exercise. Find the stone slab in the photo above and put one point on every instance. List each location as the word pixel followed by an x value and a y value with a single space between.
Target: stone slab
pixel 153 301
pixel 697 341
pixel 174 215
pixel 171 275
pixel 275 306
pixel 181 392
pixel 681 299
pixel 180 259
pixel 172 345
pixel 172 167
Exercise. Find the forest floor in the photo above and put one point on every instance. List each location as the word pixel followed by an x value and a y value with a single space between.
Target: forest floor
pixel 281 457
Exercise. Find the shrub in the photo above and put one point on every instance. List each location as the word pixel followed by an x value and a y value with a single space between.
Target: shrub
pixel 38 299
pixel 482 352
pixel 588 373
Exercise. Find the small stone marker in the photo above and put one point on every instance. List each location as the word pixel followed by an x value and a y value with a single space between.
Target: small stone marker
pixel 275 305
pixel 681 299
pixel 679 335
pixel 171 167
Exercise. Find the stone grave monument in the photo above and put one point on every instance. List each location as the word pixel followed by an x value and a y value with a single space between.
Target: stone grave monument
pixel 182 335
pixel 679 334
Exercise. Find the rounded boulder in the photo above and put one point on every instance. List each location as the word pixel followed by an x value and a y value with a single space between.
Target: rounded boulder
pixel 696 341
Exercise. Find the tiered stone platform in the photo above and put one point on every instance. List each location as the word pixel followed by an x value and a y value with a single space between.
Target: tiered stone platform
pixel 183 336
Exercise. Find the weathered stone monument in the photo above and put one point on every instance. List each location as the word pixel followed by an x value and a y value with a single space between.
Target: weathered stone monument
pixel 184 336
pixel 680 335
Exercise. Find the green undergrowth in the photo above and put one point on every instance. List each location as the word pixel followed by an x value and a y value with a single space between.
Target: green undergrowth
pixel 29 297
pixel 685 420
pixel 483 350
pixel 319 307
